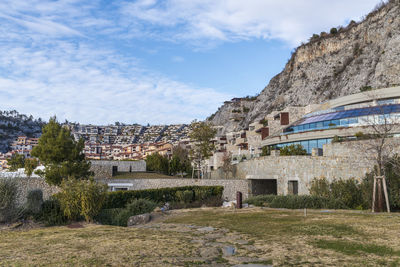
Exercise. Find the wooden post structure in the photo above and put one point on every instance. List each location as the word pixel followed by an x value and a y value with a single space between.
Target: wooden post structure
pixel 379 184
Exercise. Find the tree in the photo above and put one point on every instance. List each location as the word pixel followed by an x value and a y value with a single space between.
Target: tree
pixel 157 163
pixel 180 162
pixel 17 161
pixel 227 166
pixel 293 150
pixel 61 155
pixel 30 165
pixel 201 135
pixel 379 146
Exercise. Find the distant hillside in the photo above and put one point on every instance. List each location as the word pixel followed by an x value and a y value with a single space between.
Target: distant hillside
pixel 330 65
pixel 13 124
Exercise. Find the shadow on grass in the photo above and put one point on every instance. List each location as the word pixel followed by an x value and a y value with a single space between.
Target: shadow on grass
pixel 354 248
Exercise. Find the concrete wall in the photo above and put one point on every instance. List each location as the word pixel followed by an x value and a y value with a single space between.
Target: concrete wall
pixel 104 168
pixel 25 185
pixel 230 186
pixel 340 161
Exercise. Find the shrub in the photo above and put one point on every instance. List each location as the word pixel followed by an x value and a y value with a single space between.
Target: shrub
pixel 51 213
pixel 120 199
pixel 337 139
pixel 293 150
pixel 366 88
pixel 34 201
pixel 108 216
pixel 120 217
pixel 296 202
pixel 265 151
pixel 8 193
pixel 81 198
pixel 320 187
pixel 334 31
pixel 185 196
pixel 347 191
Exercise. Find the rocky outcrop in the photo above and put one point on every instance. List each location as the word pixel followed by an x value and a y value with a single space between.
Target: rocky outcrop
pixel 331 65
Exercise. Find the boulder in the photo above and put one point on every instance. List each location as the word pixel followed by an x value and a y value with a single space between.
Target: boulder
pixel 139 219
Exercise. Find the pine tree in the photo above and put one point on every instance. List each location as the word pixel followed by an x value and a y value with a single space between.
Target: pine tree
pixel 61 155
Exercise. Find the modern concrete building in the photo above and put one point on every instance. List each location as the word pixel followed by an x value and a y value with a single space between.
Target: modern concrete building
pixel 342 117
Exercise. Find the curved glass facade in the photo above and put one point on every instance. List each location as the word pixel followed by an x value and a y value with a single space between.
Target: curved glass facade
pixel 307 144
pixel 345 118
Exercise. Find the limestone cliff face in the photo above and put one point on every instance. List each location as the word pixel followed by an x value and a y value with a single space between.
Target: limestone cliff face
pixel 331 65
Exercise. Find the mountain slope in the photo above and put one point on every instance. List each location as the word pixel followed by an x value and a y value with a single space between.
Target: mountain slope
pixel 13 124
pixel 331 65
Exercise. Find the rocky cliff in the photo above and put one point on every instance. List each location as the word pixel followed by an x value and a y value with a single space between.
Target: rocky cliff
pixel 330 65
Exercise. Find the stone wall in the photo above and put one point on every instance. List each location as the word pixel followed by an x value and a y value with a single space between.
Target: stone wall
pixel 25 185
pixel 340 161
pixel 104 168
pixel 230 186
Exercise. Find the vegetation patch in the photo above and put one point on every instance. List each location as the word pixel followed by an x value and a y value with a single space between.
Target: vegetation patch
pixel 354 248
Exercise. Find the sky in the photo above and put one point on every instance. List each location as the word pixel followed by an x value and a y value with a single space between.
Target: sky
pixel 150 61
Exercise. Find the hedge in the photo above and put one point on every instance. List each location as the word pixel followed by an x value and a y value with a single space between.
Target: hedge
pixel 119 199
pixel 296 202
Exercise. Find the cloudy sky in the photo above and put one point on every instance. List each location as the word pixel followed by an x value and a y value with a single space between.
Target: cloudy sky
pixel 150 61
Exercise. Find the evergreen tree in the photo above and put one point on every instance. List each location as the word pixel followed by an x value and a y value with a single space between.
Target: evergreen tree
pixel 61 155
pixel 17 161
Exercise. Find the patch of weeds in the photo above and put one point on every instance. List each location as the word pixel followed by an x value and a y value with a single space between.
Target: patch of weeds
pixel 220 259
pixel 193 263
pixel 354 248
pixel 266 262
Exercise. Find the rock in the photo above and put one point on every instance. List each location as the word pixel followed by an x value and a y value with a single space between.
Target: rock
pixel 206 229
pixel 209 252
pixel 228 251
pixel 139 219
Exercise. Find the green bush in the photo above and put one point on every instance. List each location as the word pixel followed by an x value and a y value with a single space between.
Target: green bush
pixel 136 207
pixel 108 216
pixel 120 217
pixel 51 213
pixel 34 201
pixel 334 31
pixel 120 199
pixel 81 198
pixel 296 202
pixel 8 194
pixel 347 191
pixel 185 196
pixel 293 150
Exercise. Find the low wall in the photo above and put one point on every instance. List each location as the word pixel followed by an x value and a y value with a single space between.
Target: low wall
pixel 25 185
pixel 230 186
pixel 104 168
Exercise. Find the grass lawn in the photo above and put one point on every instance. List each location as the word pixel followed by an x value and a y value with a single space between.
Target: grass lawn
pixel 281 238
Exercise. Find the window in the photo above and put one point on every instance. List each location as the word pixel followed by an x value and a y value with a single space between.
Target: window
pixel 293 188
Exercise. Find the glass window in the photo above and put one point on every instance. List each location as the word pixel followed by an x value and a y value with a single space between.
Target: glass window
pixel 336 122
pixel 321 142
pixel 306 126
pixel 301 127
pixel 304 144
pixel 312 144
pixel 326 123
pixel 320 125
pixel 344 122
pixel 353 120
pixel 313 126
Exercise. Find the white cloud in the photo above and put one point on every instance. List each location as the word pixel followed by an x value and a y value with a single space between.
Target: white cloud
pixel 53 60
pixel 292 21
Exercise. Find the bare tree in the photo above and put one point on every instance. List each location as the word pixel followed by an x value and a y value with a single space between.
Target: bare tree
pixel 227 166
pixel 379 145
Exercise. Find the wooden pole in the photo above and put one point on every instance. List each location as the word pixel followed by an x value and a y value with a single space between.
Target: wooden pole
pixel 374 195
pixel 380 197
pixel 386 194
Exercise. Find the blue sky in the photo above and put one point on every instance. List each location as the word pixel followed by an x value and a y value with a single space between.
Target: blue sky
pixel 150 61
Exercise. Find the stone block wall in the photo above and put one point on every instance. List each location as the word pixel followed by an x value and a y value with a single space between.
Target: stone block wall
pixel 339 161
pixel 230 186
pixel 25 185
pixel 104 168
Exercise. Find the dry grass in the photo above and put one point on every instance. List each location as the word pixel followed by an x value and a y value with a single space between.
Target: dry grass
pixel 283 238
